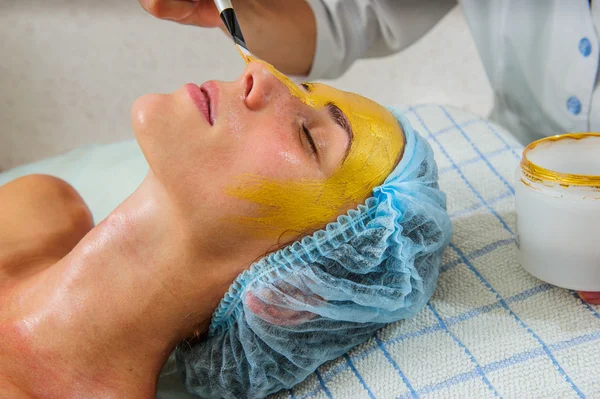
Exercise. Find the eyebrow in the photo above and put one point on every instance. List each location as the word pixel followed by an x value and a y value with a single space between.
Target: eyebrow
pixel 341 119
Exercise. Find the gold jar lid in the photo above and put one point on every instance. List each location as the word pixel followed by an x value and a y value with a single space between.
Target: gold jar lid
pixel 541 174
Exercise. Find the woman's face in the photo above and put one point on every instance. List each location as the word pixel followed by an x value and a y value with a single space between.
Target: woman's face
pixel 263 156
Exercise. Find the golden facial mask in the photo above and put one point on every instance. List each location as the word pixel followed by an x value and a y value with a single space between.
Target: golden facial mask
pixel 300 206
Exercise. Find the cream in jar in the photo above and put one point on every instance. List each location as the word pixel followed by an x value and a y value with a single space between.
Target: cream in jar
pixel 558 210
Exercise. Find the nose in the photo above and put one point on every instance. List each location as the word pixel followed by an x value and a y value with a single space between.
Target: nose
pixel 261 87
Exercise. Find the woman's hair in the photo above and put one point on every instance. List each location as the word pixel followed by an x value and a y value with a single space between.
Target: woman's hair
pixel 315 299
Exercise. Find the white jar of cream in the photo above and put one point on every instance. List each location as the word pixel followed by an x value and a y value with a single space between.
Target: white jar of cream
pixel 558 210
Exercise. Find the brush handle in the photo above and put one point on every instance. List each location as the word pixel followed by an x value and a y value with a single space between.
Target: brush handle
pixel 230 21
pixel 223 4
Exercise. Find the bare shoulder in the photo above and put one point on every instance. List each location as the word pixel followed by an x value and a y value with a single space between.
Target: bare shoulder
pixel 41 219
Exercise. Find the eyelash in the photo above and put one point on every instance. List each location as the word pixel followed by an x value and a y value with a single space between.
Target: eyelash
pixel 305 130
pixel 309 138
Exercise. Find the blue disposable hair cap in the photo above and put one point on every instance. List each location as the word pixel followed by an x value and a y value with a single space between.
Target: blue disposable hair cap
pixel 315 299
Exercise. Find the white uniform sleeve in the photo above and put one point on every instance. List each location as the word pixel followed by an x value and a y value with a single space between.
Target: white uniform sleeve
pixel 351 29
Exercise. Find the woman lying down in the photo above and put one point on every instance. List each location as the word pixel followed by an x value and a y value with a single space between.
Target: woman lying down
pixel 278 227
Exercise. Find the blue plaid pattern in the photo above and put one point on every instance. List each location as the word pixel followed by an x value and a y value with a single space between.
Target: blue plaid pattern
pixel 491 329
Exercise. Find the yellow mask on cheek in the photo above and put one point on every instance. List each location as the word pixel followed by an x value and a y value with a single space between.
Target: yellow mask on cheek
pixel 301 206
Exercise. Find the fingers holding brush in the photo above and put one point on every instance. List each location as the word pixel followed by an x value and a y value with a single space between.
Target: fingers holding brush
pixel 281 32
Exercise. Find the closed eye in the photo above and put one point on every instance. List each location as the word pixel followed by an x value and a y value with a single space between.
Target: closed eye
pixel 310 140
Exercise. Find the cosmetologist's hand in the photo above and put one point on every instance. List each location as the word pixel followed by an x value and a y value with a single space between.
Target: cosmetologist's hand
pixel 281 32
pixel 202 13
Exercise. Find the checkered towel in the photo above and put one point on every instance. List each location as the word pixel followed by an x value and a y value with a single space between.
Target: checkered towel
pixel 491 330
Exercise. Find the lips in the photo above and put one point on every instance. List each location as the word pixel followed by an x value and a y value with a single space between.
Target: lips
pixel 205 99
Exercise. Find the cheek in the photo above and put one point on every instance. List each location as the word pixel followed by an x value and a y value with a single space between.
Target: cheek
pixel 274 153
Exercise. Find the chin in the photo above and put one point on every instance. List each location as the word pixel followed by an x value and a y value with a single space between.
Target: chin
pixel 150 120
pixel 144 113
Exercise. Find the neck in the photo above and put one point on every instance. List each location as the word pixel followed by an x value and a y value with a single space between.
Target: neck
pixel 111 312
